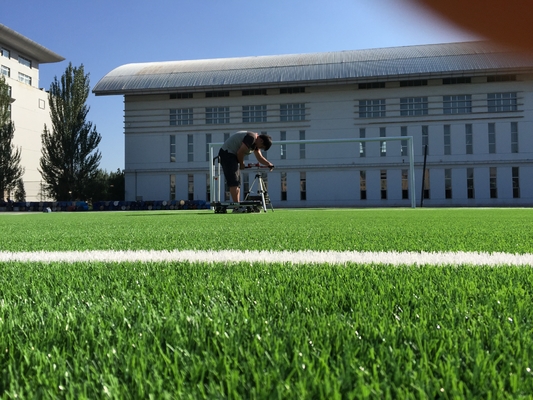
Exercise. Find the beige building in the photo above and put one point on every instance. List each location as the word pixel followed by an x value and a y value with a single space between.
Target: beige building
pixel 20 59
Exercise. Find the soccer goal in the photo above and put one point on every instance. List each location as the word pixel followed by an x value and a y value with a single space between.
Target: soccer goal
pixel 217 180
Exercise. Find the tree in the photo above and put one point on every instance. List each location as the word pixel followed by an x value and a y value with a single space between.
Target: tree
pixel 10 169
pixel 20 192
pixel 108 186
pixel 70 158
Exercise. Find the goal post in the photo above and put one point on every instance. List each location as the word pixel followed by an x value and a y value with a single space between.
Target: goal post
pixel 215 174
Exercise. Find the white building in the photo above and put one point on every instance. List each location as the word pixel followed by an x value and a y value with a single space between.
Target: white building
pixel 20 59
pixel 470 103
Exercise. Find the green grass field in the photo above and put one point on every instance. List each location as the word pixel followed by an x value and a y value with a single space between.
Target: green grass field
pixel 267 330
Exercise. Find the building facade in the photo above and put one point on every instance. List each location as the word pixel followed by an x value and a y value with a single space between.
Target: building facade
pixel 20 59
pixel 467 106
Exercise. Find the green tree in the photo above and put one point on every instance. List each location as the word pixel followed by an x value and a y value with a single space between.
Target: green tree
pixel 108 186
pixel 20 192
pixel 70 158
pixel 10 169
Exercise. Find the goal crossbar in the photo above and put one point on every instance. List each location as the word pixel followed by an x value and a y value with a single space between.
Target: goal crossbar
pixel 215 190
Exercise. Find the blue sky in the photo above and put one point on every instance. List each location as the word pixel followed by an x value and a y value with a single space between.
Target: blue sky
pixel 104 34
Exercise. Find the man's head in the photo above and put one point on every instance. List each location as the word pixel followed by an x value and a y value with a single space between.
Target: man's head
pixel 265 142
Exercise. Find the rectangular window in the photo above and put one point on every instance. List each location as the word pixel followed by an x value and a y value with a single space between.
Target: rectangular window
pixel 217 93
pixel 302 145
pixel 25 61
pixel 303 187
pixel 190 186
pixel 410 106
pixel 283 147
pixel 459 104
pixel 208 140
pixel 492 138
pixel 254 113
pixel 254 92
pixel 362 145
pixel 5 71
pixel 514 137
pixel 405 184
pixel 362 185
pixel 469 140
pixel 371 108
pixel 425 138
pixel 493 183
pixel 172 148
pixel 501 78
pixel 190 148
pixel 500 102
pixel 470 183
pixel 403 148
pixel 458 80
pixel 181 116
pixel 172 187
pixel 217 115
pixel 382 144
pixel 371 85
pixel 516 183
pixel 5 53
pixel 292 112
pixel 174 96
pixel 292 90
pixel 414 82
pixel 448 183
pixel 24 78
pixel 283 186
pixel 383 185
pixel 447 141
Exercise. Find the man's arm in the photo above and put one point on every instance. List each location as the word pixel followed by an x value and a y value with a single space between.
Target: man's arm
pixel 262 160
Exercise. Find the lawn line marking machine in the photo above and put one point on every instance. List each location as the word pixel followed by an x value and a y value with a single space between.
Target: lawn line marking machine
pixel 253 202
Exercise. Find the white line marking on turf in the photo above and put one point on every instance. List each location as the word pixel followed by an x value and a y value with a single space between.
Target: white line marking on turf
pixel 297 257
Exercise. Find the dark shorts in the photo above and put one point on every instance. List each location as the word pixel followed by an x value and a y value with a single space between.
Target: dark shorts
pixel 230 166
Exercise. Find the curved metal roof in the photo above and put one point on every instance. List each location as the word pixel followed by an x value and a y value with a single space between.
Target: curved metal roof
pixel 27 46
pixel 355 65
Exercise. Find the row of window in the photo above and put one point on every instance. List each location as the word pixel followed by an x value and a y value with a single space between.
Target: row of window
pixel 221 115
pixel 456 104
pixel 493 184
pixel 22 60
pixel 6 71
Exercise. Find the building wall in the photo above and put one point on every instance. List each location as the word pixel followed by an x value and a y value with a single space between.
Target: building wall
pixel 332 172
pixel 30 113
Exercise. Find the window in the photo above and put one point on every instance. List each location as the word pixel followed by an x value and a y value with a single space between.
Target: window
pixel 383 185
pixel 403 146
pixel 405 184
pixel 501 78
pixel 254 92
pixel 24 78
pixel 448 183
pixel 371 108
pixel 414 82
pixel 372 85
pixel 514 137
pixel 469 139
pixel 410 106
pixel 455 81
pixel 283 186
pixel 5 53
pixel 499 102
pixel 25 61
pixel 254 113
pixel 470 183
pixel 172 187
pixel 172 148
pixel 181 116
pixel 425 138
pixel 217 115
pixel 302 145
pixel 516 183
pixel 190 148
pixel 208 139
pixel 362 185
pixel 492 138
pixel 460 104
pixel 180 96
pixel 218 93
pixel 292 112
pixel 283 147
pixel 190 186
pixel 6 71
pixel 245 184
pixel 447 141
pixel 382 144
pixel 291 90
pixel 362 145
pixel 493 183
pixel 303 187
